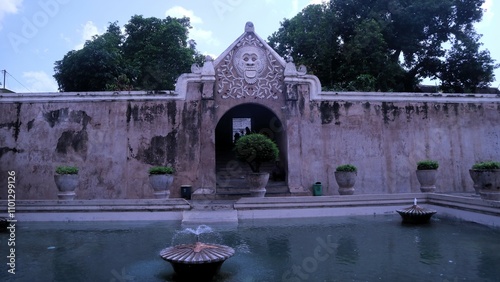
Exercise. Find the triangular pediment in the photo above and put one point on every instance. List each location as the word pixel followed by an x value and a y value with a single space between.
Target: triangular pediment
pixel 249 68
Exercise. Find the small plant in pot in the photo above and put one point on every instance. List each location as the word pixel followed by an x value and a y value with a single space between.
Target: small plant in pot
pixel 345 175
pixel 160 178
pixel 255 149
pixel 427 175
pixel 66 179
pixel 486 177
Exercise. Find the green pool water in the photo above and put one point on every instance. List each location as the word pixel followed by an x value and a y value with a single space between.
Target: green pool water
pixel 357 248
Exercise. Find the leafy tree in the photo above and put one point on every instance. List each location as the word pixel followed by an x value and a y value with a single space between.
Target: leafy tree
pixel 92 67
pixel 311 39
pixel 382 44
pixel 150 55
pixel 467 68
pixel 156 50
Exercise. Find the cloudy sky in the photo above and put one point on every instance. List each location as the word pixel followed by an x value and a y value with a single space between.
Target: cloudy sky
pixel 36 33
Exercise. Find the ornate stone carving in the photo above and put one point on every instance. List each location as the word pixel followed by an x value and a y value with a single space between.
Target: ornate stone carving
pixel 249 70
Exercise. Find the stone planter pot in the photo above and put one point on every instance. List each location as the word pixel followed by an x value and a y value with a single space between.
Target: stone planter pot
pixel 488 182
pixel 66 184
pixel 257 182
pixel 161 185
pixel 427 179
pixel 346 181
pixel 474 174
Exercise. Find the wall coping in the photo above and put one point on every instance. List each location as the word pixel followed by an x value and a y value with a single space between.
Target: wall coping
pixel 101 96
pixel 397 97
pixel 117 96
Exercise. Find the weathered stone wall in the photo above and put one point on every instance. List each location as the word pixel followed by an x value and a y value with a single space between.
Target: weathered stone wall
pixel 115 139
pixel 385 140
pixel 112 141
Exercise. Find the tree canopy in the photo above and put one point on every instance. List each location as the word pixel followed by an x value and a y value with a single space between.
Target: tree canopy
pixel 388 45
pixel 150 55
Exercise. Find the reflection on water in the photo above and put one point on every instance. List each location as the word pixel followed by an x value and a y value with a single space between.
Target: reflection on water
pixel 361 248
pixel 347 250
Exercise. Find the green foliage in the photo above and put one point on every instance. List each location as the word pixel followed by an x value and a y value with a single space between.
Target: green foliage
pixel 427 165
pixel 161 170
pixel 150 55
pixel 486 165
pixel 388 45
pixel 468 68
pixel 90 68
pixel 347 168
pixel 254 149
pixel 66 170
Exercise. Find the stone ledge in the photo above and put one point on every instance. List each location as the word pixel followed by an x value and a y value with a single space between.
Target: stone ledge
pixel 458 206
pixel 83 210
pixel 329 201
pixel 472 204
pixel 61 97
pixel 406 97
pixel 463 207
pixel 207 217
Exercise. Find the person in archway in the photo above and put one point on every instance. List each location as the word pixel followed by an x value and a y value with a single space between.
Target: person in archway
pixel 236 137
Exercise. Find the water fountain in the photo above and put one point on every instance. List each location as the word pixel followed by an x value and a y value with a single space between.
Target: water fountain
pixel 197 260
pixel 416 214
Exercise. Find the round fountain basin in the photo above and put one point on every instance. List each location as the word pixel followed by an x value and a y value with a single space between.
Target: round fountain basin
pixel 416 214
pixel 197 260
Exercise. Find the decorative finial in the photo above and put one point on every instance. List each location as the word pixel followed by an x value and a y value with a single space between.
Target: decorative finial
pixel 249 27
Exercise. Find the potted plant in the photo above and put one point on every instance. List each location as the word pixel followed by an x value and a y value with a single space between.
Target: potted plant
pixel 345 175
pixel 486 177
pixel 160 178
pixel 255 149
pixel 66 179
pixel 427 175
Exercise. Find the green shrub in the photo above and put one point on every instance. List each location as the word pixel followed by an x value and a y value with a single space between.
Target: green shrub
pixel 346 167
pixel 255 149
pixel 427 165
pixel 66 170
pixel 161 170
pixel 486 165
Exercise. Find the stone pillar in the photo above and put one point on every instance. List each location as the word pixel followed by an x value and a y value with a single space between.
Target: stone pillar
pixel 207 130
pixel 207 145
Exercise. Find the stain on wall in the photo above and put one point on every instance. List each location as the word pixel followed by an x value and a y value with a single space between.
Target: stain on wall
pixel 161 150
pixel 56 117
pixel 16 125
pixel 147 113
pixel 5 150
pixel 76 140
pixel 330 111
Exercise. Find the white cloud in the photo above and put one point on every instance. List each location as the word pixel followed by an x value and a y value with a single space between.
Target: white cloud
pixel 488 14
pixel 201 35
pixel 89 29
pixel 196 33
pixel 8 7
pixel 179 12
pixel 40 81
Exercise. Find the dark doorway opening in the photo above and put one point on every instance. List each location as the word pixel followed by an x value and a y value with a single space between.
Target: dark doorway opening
pixel 237 122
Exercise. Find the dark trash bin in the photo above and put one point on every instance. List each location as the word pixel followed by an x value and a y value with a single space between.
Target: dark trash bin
pixel 186 192
pixel 317 189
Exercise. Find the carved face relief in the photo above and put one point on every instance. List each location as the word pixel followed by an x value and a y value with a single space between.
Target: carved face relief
pixel 250 62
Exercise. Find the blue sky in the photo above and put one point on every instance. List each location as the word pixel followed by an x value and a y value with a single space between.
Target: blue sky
pixel 36 33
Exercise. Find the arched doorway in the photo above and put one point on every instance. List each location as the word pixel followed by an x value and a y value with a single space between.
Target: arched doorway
pixel 230 172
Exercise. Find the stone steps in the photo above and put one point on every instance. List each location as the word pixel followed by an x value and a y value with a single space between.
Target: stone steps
pixel 231 178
